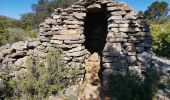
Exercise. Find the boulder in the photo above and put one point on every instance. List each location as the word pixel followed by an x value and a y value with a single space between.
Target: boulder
pixel 20 45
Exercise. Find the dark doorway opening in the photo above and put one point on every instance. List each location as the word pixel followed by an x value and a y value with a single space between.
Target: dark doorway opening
pixel 95 30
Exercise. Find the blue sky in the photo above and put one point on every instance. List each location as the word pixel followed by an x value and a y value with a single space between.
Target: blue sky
pixel 14 8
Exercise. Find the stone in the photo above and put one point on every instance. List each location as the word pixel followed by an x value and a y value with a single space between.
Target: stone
pixel 33 44
pixel 125 21
pixel 115 66
pixel 144 57
pixel 73 22
pixel 20 45
pixel 73 26
pixel 79 48
pixel 79 16
pixel 76 54
pixel 46 44
pixel 57 41
pixel 115 47
pixel 39 54
pixel 113 26
pixel 22 62
pixel 135 70
pixel 74 42
pixel 121 35
pixel 1 57
pixel 112 18
pixel 66 58
pixel 131 59
pixel 132 53
pixel 129 29
pixel 66 32
pixel 44 39
pixel 114 8
pixel 110 35
pixel 56 16
pixel 130 48
pixel 68 37
pixel 130 17
pixel 139 49
pixel 79 59
pixel 69 46
pixel 18 54
pixel 93 6
pixel 116 30
pixel 108 59
pixel 8 61
pixel 22 72
pixel 118 13
pixel 7 51
pixel 50 21
pixel 56 28
pixel 40 47
pixel 124 25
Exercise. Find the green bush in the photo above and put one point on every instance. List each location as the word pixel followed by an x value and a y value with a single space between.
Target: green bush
pixel 3 37
pixel 161 36
pixel 43 79
pixel 11 35
pixel 132 87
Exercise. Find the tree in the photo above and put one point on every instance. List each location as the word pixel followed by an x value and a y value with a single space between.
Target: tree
pixel 157 10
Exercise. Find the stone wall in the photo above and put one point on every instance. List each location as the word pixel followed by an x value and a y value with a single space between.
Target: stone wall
pixel 126 48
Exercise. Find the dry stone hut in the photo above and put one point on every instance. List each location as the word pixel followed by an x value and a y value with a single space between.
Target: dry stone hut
pixel 112 31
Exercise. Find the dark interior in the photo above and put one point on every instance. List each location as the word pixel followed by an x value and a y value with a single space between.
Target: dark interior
pixel 95 30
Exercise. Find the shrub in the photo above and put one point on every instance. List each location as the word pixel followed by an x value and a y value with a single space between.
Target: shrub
pixel 161 36
pixel 132 87
pixel 11 35
pixel 3 37
pixel 43 79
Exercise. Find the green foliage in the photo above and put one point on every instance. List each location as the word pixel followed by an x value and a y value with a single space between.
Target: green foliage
pixel 7 22
pixel 41 10
pixel 12 35
pixel 161 36
pixel 157 10
pixel 132 87
pixel 3 37
pixel 43 79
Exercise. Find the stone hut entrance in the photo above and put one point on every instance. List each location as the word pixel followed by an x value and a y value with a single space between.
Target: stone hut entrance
pixel 95 30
